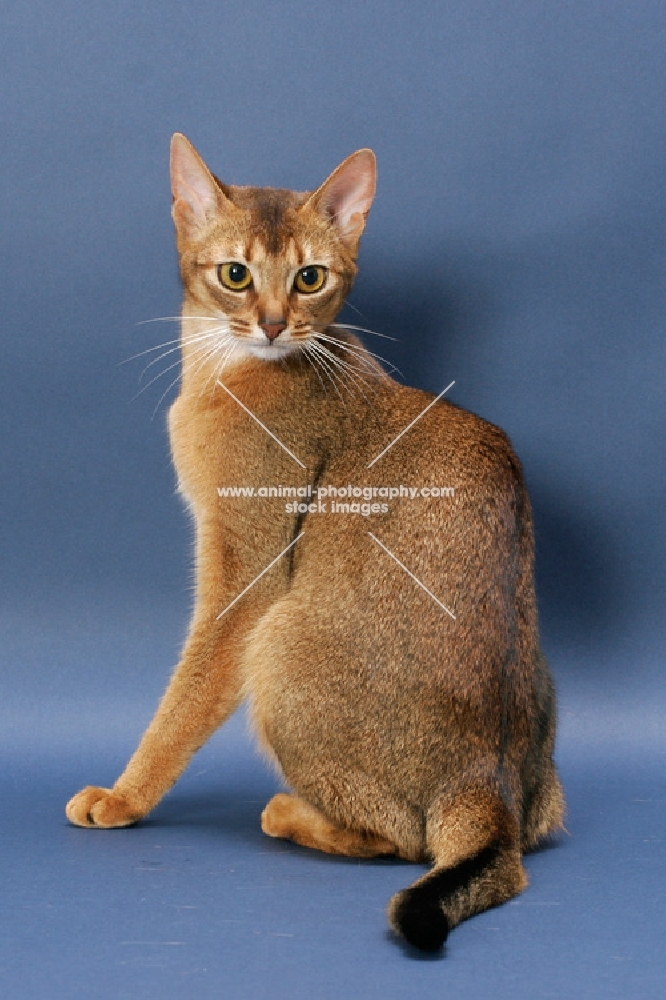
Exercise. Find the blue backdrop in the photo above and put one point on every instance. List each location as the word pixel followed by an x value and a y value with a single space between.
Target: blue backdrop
pixel 516 245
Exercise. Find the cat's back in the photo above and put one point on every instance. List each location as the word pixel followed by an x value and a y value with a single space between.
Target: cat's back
pixel 396 606
pixel 407 432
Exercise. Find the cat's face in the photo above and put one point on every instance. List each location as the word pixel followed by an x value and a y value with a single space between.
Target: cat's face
pixel 274 266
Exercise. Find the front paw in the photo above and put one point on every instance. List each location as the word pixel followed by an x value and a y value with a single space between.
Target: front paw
pixel 100 807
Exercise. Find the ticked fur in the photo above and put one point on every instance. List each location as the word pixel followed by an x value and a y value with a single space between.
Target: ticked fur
pixel 400 728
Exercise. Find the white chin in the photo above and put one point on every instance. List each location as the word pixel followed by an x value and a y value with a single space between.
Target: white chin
pixel 270 352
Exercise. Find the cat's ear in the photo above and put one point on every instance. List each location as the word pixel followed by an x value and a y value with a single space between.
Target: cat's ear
pixel 197 197
pixel 346 196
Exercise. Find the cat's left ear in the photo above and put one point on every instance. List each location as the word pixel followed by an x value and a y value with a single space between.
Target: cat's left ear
pixel 346 196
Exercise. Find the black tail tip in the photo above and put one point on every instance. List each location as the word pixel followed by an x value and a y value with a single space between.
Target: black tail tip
pixel 417 915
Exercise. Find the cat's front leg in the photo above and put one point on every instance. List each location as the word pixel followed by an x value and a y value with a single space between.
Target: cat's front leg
pixel 203 692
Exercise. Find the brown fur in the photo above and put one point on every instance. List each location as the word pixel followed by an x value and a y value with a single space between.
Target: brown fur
pixel 399 728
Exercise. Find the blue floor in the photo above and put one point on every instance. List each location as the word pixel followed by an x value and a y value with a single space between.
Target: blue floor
pixel 196 902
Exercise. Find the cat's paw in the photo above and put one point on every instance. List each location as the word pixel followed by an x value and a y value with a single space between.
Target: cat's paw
pixel 277 817
pixel 100 807
pixel 292 818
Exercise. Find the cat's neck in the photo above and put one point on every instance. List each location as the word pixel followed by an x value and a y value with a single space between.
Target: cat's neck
pixel 212 360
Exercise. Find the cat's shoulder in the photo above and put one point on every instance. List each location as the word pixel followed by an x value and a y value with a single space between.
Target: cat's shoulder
pixel 469 440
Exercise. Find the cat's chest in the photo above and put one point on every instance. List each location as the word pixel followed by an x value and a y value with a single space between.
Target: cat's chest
pixel 223 449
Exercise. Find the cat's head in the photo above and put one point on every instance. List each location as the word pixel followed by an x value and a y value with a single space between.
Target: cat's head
pixel 273 265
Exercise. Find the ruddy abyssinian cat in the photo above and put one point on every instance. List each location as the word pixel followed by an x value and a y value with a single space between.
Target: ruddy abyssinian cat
pixel 389 654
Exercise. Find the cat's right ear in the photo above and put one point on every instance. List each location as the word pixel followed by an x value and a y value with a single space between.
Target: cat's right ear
pixel 197 198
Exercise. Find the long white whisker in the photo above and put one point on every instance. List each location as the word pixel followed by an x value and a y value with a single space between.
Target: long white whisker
pixel 364 329
pixel 225 349
pixel 149 350
pixel 367 367
pixel 338 368
pixel 228 354
pixel 317 354
pixel 304 353
pixel 364 350
pixel 310 360
pixel 191 340
pixel 346 362
pixel 157 404
pixel 159 375
pixel 204 361
pixel 352 373
pixel 195 338
pixel 197 350
pixel 352 306
pixel 219 345
pixel 207 352
pixel 360 353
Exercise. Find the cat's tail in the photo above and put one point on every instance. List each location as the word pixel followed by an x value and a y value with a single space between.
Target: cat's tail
pixel 475 843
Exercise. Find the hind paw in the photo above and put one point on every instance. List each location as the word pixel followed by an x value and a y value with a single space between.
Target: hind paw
pixel 294 819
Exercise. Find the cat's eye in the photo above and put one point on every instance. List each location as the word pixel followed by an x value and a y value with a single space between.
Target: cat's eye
pixel 310 279
pixel 235 276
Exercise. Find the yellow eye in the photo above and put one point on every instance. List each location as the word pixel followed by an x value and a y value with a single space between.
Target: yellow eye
pixel 310 279
pixel 235 276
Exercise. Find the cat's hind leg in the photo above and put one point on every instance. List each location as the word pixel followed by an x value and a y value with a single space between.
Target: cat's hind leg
pixel 292 818
pixel 475 843
pixel 544 812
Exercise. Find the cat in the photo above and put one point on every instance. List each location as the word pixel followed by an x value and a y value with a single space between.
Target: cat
pixel 388 651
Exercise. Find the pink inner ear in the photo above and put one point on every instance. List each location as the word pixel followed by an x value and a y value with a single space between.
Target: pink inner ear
pixel 349 191
pixel 191 181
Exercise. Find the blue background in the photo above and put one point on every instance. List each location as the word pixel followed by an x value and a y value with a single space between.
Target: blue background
pixel 517 246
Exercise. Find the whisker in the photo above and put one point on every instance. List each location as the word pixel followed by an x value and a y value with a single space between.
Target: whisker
pixel 344 372
pixel 226 349
pixel 219 344
pixel 149 350
pixel 364 329
pixel 303 352
pixel 359 353
pixel 316 354
pixel 352 306
pixel 223 364
pixel 160 374
pixel 191 340
pixel 207 352
pixel 167 343
pixel 367 367
pixel 352 373
pixel 157 404
pixel 364 349
pixel 204 361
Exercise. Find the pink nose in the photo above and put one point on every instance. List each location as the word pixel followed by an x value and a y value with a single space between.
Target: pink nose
pixel 274 329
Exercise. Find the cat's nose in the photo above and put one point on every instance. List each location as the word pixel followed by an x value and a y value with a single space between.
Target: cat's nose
pixel 273 328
